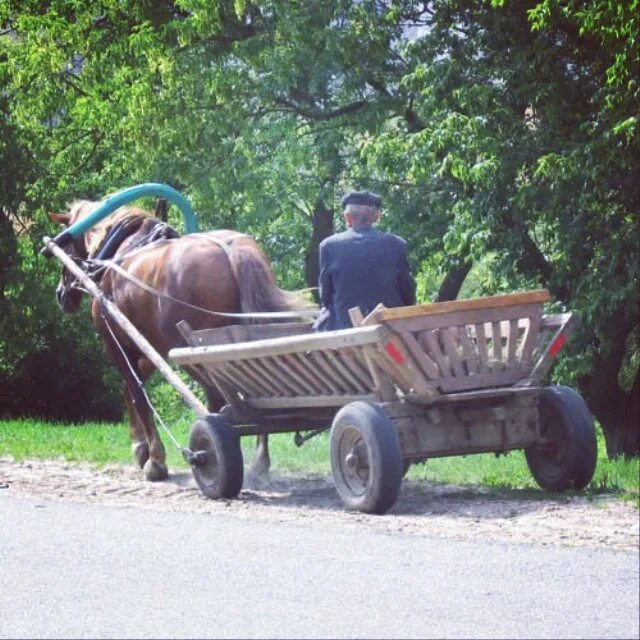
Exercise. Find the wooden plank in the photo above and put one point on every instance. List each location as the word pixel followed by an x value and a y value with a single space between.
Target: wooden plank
pixel 340 386
pixel 287 380
pixel 308 401
pixel 269 371
pixel 468 351
pixel 311 375
pixel 457 318
pixel 530 339
pixel 448 338
pixel 231 379
pixel 551 351
pixel 265 384
pixel 350 359
pixel 279 346
pixel 383 389
pixel 512 342
pixel 537 296
pixel 481 345
pixel 496 340
pixel 427 366
pixel 332 356
pixel 482 380
pixel 247 379
pixel 302 386
pixel 430 343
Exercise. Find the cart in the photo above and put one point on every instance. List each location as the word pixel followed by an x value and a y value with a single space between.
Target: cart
pixel 403 385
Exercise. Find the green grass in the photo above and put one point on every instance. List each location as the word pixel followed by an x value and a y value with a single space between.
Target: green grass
pixel 100 444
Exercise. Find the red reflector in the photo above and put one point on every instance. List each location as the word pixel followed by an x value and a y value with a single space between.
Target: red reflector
pixel 558 343
pixel 394 352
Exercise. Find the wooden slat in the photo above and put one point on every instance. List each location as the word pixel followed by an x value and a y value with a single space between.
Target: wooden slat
pixel 496 340
pixel 546 358
pixel 428 367
pixel 285 375
pixel 481 345
pixel 266 382
pixel 270 372
pixel 303 386
pixel 350 359
pixel 344 372
pixel 457 318
pixel 316 381
pixel 480 380
pixel 245 374
pixel 468 351
pixel 538 296
pixel 530 339
pixel 429 341
pixel 383 389
pixel 279 346
pixel 308 401
pixel 447 336
pixel 234 381
pixel 512 342
pixel 340 386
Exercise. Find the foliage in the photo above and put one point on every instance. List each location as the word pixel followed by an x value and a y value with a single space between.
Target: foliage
pixel 502 135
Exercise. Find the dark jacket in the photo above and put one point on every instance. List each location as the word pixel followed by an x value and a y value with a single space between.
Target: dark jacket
pixel 361 268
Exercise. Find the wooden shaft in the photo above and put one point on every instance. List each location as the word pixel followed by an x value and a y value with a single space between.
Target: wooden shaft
pixel 141 342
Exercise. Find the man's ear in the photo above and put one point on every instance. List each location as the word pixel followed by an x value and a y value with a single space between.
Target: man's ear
pixel 61 218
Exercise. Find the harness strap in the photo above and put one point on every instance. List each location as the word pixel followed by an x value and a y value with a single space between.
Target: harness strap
pixel 112 264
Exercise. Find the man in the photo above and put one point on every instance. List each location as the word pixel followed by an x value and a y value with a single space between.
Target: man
pixel 362 266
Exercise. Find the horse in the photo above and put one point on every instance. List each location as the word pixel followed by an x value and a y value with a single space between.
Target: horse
pixel 158 278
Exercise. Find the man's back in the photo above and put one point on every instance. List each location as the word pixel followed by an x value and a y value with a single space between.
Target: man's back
pixel 363 267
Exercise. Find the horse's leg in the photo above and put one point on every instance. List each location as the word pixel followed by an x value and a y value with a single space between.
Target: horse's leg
pixel 148 449
pixel 262 462
pixel 155 467
pixel 139 444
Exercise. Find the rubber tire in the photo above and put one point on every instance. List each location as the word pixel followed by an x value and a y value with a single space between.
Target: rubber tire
pixel 567 421
pixel 370 426
pixel 221 473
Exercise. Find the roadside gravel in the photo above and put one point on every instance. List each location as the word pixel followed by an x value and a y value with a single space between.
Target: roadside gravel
pixel 423 508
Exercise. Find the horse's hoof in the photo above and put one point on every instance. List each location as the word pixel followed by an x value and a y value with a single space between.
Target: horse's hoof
pixel 257 481
pixel 155 471
pixel 140 453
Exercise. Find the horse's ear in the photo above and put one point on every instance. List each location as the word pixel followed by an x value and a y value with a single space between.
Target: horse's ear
pixel 61 218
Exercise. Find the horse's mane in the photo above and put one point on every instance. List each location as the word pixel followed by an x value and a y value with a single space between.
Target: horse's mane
pixel 80 209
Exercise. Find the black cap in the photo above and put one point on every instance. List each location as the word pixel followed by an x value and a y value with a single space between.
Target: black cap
pixel 364 198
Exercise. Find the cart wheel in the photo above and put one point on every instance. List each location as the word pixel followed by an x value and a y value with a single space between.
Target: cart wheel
pixel 218 468
pixel 568 457
pixel 366 460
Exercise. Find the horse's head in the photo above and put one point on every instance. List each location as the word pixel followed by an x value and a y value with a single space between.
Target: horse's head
pixel 68 293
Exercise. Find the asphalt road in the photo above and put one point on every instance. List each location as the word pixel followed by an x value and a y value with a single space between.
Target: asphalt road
pixel 83 571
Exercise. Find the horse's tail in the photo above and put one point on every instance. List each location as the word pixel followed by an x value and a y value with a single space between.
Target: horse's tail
pixel 257 285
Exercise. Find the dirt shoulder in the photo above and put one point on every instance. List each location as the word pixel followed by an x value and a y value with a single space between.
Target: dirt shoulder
pixel 422 508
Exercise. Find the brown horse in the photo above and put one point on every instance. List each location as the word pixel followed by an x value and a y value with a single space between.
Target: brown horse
pixel 221 271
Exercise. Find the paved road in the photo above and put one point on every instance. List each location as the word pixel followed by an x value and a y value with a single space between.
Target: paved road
pixel 78 570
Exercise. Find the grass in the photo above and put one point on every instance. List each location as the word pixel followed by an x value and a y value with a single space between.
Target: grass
pixel 100 444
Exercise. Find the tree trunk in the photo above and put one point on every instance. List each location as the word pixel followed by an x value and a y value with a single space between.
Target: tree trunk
pixel 617 410
pixel 322 221
pixel 453 281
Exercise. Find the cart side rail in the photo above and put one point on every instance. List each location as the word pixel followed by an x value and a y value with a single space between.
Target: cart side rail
pixel 496 341
pixel 308 370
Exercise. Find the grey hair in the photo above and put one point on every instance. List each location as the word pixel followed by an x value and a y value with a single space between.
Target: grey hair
pixel 362 213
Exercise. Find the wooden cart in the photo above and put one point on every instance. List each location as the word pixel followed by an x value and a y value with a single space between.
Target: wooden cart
pixel 403 385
